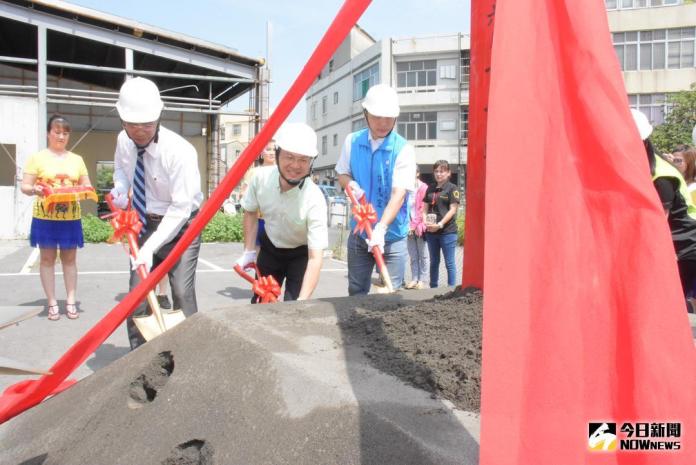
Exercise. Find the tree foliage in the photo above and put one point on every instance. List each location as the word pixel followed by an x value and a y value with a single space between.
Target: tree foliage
pixel 679 122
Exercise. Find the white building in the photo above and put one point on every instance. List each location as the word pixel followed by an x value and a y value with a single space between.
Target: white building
pixel 655 42
pixel 431 76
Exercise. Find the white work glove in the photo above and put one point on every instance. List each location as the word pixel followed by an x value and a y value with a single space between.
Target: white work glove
pixel 120 200
pixel 144 257
pixel 247 258
pixel 357 190
pixel 377 238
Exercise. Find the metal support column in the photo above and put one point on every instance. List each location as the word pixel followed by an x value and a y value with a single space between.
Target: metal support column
pixel 42 74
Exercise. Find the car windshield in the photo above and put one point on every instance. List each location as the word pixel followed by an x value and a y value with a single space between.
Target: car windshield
pixel 330 191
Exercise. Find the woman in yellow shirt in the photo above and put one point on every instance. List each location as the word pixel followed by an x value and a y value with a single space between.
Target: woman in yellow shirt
pixel 59 227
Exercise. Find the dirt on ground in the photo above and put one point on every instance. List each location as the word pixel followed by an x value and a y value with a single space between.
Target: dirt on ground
pixel 434 345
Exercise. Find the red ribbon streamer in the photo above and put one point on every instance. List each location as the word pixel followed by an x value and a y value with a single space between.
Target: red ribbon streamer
pixel 340 27
pixel 364 215
pixel 267 288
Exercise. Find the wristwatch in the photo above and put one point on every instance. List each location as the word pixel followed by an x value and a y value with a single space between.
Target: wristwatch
pixel 440 225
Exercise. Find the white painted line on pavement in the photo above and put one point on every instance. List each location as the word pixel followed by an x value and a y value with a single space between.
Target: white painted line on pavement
pixel 212 266
pixel 87 273
pixel 30 261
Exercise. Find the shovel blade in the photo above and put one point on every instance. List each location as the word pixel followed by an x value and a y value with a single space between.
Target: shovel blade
pixel 150 328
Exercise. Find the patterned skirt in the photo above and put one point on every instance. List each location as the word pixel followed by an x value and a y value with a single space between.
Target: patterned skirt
pixel 53 234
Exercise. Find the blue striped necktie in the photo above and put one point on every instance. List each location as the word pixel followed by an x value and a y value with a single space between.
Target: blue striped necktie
pixel 139 199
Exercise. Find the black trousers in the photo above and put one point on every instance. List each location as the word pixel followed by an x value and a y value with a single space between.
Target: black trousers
pixel 687 276
pixel 182 277
pixel 287 265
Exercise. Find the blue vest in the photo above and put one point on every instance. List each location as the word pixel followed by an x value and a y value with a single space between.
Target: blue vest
pixel 373 172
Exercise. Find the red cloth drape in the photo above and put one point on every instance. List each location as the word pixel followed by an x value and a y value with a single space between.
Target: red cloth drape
pixel 482 21
pixel 35 392
pixel 584 320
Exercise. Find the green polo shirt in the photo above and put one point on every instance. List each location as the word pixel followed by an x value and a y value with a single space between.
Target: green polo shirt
pixel 293 218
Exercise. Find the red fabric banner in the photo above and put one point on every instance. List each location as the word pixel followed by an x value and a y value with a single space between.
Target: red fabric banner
pixel 81 350
pixel 584 320
pixel 482 22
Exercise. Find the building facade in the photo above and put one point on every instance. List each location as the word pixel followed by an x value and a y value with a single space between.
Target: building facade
pixel 431 76
pixel 654 42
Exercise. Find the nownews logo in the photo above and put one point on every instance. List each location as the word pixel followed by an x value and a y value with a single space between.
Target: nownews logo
pixel 602 437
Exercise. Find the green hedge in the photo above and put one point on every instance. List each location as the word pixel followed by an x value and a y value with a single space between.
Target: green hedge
pixel 222 228
pixel 460 229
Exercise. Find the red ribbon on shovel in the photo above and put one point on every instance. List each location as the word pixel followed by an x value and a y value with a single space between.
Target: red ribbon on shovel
pixel 266 287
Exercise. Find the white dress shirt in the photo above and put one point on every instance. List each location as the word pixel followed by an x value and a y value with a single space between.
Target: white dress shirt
pixel 404 168
pixel 172 180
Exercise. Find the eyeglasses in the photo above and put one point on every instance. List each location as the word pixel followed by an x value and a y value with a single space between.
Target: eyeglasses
pixel 149 125
pixel 678 161
pixel 300 160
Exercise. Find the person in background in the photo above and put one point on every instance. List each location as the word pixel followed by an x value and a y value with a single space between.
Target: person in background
pixel 680 211
pixel 684 159
pixel 161 169
pixel 417 247
pixel 440 210
pixel 379 164
pixel 267 158
pixel 295 234
pixel 59 228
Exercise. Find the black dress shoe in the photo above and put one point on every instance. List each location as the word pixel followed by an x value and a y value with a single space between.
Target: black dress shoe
pixel 164 302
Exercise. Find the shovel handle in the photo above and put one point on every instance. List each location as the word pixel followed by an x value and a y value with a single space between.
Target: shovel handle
pixel 379 258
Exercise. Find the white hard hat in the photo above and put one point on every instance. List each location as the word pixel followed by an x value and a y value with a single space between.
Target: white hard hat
pixel 381 100
pixel 139 101
pixel 297 138
pixel 642 123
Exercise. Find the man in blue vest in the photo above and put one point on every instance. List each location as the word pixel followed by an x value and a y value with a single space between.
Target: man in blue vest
pixel 379 164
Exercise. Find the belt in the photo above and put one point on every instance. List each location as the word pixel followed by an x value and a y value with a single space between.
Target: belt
pixel 155 217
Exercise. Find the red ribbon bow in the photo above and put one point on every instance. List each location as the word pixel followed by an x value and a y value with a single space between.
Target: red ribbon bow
pixel 267 288
pixel 124 222
pixel 364 215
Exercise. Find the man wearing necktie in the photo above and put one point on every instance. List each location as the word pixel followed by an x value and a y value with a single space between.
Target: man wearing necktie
pixel 160 168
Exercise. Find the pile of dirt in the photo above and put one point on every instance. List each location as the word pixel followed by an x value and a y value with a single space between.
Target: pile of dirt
pixel 434 345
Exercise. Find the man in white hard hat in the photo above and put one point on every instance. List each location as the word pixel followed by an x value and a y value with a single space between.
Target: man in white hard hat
pixel 294 210
pixel 158 169
pixel 379 164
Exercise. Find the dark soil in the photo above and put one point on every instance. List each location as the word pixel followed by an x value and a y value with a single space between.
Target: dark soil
pixel 434 345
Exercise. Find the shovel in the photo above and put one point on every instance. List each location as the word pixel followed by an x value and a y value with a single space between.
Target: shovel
pixel 379 258
pixel 150 326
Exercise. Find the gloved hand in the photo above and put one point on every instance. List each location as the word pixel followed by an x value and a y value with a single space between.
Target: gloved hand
pixel 247 258
pixel 377 238
pixel 144 257
pixel 120 200
pixel 357 190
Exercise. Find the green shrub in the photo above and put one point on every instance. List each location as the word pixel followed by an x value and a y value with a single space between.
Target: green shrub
pixel 224 228
pixel 95 230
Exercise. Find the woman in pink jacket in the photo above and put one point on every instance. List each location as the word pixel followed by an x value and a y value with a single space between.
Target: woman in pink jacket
pixel 417 247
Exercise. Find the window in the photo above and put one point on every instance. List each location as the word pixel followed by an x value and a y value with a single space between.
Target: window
pixel 8 171
pixel 448 72
pixel 331 63
pixel 314 110
pixel 222 132
pixel 464 124
pixel 364 80
pixel 416 73
pixel 324 105
pixel 655 106
pixel 358 124
pixel 629 4
pixel 418 125
pixel 324 145
pixel 465 68
pixel 236 130
pixel 335 98
pixel 656 49
pixel 335 140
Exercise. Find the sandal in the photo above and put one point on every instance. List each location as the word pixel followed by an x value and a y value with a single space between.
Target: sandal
pixel 71 311
pixel 53 312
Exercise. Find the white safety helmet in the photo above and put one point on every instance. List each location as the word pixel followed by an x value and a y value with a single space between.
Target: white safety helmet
pixel 642 123
pixel 297 138
pixel 139 101
pixel 381 100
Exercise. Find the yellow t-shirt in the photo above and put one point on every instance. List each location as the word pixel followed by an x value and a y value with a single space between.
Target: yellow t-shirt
pixel 46 165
